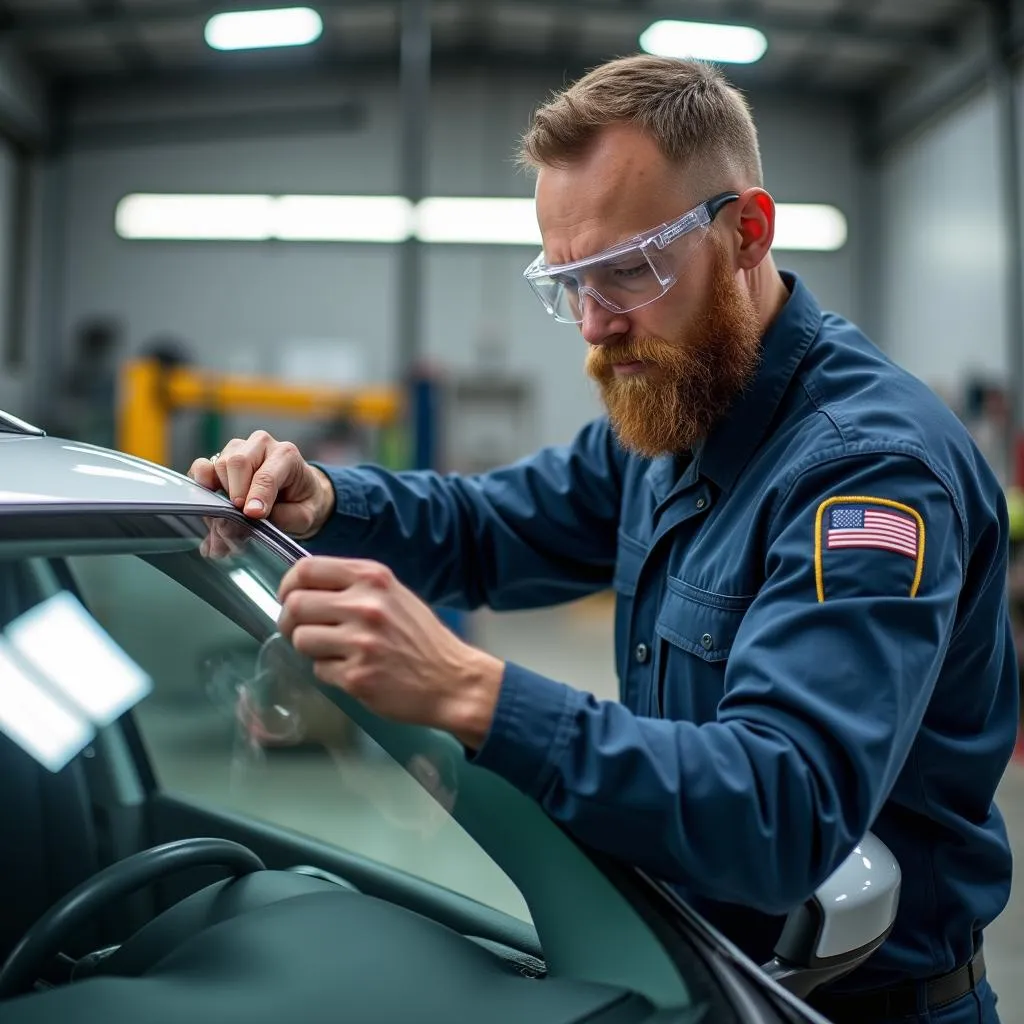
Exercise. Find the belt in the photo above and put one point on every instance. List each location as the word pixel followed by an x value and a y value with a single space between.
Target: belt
pixel 901 1000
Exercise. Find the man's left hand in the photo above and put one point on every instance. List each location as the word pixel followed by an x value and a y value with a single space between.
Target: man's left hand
pixel 372 637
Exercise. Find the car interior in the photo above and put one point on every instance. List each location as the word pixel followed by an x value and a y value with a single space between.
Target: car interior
pixel 125 887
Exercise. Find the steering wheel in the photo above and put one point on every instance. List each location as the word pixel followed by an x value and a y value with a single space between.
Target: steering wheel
pixel 44 939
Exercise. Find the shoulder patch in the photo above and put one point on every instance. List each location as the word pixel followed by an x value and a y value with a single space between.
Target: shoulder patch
pixel 859 523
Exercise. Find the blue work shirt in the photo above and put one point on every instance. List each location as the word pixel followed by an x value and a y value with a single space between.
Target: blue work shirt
pixel 811 629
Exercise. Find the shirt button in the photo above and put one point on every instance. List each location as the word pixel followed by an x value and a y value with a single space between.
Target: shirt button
pixel 701 503
pixel 707 641
pixel 642 653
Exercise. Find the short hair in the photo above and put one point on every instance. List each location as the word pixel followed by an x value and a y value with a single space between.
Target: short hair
pixel 697 118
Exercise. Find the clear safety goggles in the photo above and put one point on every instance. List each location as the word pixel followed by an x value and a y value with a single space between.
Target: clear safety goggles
pixel 628 275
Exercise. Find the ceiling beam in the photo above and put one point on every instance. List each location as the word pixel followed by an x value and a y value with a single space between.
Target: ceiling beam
pixel 901 113
pixel 845 24
pixel 129 45
pixel 356 68
pixel 28 27
pixel 214 127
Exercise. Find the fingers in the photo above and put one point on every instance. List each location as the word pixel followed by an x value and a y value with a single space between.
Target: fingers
pixel 326 643
pixel 204 474
pixel 224 538
pixel 251 472
pixel 334 673
pixel 266 478
pixel 282 465
pixel 324 573
pixel 213 472
pixel 239 461
pixel 326 608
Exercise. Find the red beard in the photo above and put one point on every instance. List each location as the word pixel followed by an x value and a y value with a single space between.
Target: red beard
pixel 688 384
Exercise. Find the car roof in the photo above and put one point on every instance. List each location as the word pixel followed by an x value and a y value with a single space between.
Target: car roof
pixel 36 469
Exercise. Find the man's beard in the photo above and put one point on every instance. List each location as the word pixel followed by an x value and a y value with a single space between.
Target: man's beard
pixel 689 384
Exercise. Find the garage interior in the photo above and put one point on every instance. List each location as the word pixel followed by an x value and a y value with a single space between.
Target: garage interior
pixel 216 235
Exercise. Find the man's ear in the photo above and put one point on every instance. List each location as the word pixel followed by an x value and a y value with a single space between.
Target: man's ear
pixel 756 227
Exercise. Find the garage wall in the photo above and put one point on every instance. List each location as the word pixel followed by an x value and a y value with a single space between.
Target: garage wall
pixel 13 379
pixel 239 304
pixel 943 269
pixel 943 250
pixel 23 104
pixel 23 128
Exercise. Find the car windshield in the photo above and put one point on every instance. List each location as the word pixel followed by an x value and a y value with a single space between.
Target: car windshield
pixel 235 720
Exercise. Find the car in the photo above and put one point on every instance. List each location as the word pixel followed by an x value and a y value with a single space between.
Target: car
pixel 173 867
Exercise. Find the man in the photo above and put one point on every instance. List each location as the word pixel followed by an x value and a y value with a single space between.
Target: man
pixel 809 557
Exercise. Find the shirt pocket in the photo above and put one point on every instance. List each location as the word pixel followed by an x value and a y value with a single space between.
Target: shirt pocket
pixel 629 560
pixel 696 630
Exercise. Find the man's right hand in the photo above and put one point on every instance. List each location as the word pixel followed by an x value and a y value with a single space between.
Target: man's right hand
pixel 269 479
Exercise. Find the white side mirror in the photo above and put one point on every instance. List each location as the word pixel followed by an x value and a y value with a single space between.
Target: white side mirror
pixel 842 924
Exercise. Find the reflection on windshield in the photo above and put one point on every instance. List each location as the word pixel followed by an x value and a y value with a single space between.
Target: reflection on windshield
pixel 256 592
pixel 236 718
pixel 277 707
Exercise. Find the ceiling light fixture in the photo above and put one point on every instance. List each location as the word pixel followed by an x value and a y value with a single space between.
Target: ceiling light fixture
pixel 477 220
pixel 254 30
pixel 342 218
pixel 240 218
pixel 445 220
pixel 809 227
pixel 695 40
pixel 256 218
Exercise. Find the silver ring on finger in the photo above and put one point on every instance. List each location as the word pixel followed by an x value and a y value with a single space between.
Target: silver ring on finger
pixel 215 456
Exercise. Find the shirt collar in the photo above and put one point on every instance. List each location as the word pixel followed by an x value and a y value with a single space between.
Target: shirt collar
pixel 730 445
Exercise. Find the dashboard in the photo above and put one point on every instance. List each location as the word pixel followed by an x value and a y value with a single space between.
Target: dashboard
pixel 277 946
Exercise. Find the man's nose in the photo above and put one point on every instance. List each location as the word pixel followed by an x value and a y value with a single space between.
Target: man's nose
pixel 600 325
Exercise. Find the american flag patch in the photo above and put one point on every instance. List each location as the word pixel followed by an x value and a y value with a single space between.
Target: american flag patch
pixel 850 526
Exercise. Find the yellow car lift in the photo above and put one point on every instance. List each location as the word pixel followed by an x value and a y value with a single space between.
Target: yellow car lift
pixel 1015 511
pixel 150 394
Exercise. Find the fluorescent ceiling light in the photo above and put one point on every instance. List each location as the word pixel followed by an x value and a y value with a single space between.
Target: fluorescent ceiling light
pixel 695 40
pixel 259 218
pixel 478 221
pixel 391 219
pixel 253 30
pixel 342 218
pixel 811 227
pixel 225 218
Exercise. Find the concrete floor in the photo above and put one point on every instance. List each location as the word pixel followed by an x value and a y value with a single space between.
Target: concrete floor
pixel 359 801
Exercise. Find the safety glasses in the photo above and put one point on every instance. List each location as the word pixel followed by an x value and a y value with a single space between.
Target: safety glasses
pixel 628 275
